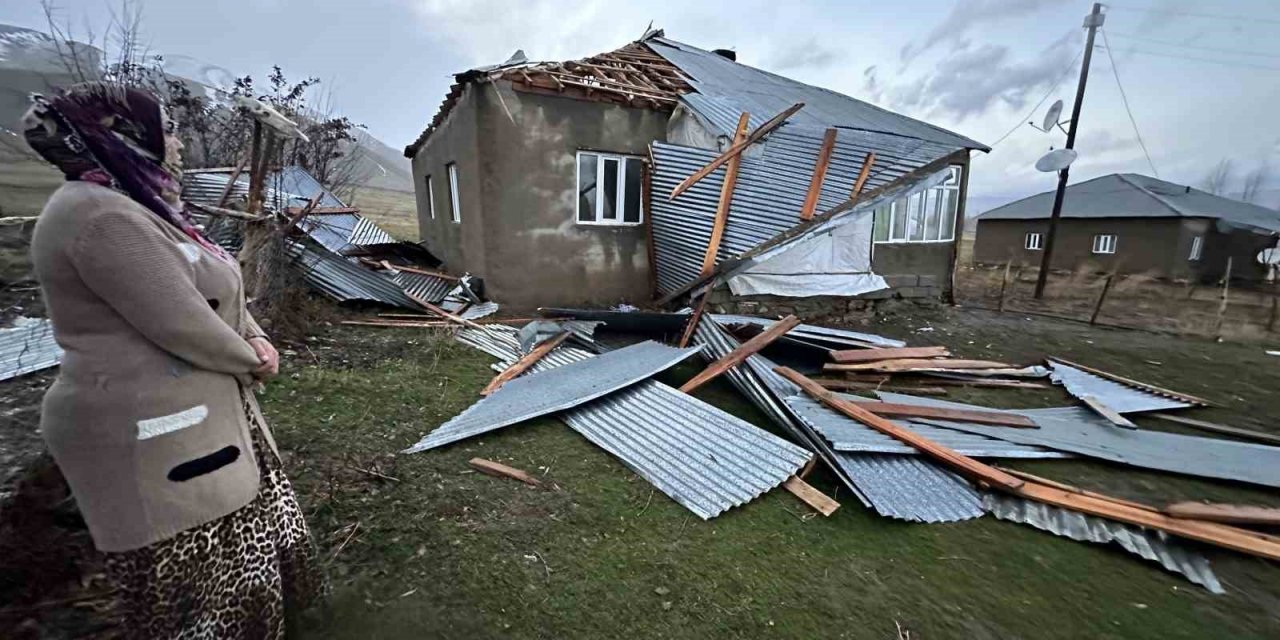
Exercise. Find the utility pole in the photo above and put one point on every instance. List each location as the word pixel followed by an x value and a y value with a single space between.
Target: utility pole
pixel 1091 22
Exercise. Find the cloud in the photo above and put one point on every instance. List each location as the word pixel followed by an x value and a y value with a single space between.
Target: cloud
pixel 966 15
pixel 806 54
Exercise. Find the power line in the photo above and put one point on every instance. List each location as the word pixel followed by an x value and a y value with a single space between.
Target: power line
pixel 1048 93
pixel 1226 63
pixel 1125 99
pixel 1194 14
pixel 1239 52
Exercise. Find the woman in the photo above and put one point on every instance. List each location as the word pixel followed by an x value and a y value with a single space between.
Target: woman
pixel 152 419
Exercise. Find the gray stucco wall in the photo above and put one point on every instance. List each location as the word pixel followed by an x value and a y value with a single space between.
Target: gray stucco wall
pixel 538 254
pixel 459 245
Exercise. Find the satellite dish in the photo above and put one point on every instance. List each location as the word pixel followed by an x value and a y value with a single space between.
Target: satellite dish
pixel 1051 116
pixel 1056 160
pixel 266 114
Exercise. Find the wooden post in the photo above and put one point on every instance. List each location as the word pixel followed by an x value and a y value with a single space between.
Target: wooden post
pixel 1093 319
pixel 255 173
pixel 694 319
pixel 1004 282
pixel 863 174
pixel 231 183
pixel 646 195
pixel 1275 313
pixel 1222 306
pixel 726 197
pixel 744 351
pixel 819 174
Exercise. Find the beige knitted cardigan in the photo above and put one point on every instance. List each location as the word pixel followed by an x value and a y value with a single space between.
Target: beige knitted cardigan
pixel 145 419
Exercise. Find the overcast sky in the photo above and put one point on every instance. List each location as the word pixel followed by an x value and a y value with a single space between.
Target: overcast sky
pixel 1202 88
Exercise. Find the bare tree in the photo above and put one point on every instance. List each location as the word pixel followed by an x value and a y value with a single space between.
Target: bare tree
pixel 1253 182
pixel 1219 178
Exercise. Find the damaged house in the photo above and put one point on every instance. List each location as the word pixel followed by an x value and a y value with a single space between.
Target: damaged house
pixel 553 182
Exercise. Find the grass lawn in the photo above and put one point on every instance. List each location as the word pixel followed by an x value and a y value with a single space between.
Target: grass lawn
pixel 441 551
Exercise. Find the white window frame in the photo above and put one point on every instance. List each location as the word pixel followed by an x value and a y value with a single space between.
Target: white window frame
pixel 1105 243
pixel 934 197
pixel 431 198
pixel 455 211
pixel 621 194
pixel 1197 248
pixel 1034 241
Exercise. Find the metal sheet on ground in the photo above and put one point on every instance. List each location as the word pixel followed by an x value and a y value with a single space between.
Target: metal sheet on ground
pixel 1119 397
pixel 555 390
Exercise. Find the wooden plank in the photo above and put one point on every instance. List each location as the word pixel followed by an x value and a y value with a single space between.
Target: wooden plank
pixel 1107 412
pixel 959 415
pixel 964 464
pixel 1228 513
pixel 526 361
pixel 735 357
pixel 444 314
pixel 863 174
pixel 499 470
pixel 1134 383
pixel 231 181
pixel 819 175
pixel 1074 489
pixel 736 149
pixel 726 199
pixel 852 356
pixel 810 496
pixel 907 364
pixel 1213 427
pixel 1226 536
pixel 852 385
pixel 694 320
pixel 425 272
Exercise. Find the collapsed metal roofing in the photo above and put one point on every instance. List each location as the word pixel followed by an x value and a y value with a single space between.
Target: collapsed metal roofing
pixel 699 456
pixel 546 392
pixel 1119 397
pixel 345 281
pixel 1131 195
pixel 1081 431
pixel 28 346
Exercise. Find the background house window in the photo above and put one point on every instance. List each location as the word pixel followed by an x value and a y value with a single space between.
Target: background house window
pixel 609 189
pixel 1104 243
pixel 928 216
pixel 454 210
pixel 1034 241
pixel 1197 247
pixel 431 198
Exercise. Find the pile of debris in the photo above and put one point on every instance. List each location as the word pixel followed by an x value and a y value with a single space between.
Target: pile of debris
pixel 906 457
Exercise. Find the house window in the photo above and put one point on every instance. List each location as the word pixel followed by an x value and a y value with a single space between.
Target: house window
pixel 609 189
pixel 1104 243
pixel 1034 241
pixel 431 199
pixel 1197 247
pixel 454 209
pixel 928 216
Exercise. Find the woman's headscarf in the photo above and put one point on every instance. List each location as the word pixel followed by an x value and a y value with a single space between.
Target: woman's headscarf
pixel 113 135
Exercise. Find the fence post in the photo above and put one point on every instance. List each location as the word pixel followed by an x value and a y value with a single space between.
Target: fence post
pixel 1093 319
pixel 1222 306
pixel 1004 282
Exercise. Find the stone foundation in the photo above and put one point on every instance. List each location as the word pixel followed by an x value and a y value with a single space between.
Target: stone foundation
pixel 838 308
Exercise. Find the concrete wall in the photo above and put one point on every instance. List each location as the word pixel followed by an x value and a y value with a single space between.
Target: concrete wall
pixel 1143 245
pixel 461 246
pixel 538 253
pixel 914 269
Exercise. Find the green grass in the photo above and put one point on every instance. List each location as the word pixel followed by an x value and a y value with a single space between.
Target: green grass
pixel 597 552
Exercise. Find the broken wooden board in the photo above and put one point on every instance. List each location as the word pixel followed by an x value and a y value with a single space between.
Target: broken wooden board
pixel 736 149
pixel 818 500
pixel 976 417
pixel 525 362
pixel 854 356
pixel 1143 386
pixel 722 207
pixel 499 470
pixel 819 175
pixel 1228 513
pixel 735 357
pixel 852 385
pixel 1107 412
pixel 909 364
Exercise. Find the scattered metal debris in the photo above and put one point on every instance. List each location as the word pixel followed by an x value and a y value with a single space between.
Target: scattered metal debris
pixel 1120 397
pixel 27 346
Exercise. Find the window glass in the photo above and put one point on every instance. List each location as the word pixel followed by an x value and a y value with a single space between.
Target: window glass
pixel 455 208
pixel 631 191
pixel 880 224
pixel 1197 246
pixel 899 228
pixel 587 187
pixel 949 203
pixel 609 190
pixel 431 199
pixel 915 218
pixel 930 203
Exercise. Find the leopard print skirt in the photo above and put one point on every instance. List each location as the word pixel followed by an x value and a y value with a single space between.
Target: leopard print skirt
pixel 236 577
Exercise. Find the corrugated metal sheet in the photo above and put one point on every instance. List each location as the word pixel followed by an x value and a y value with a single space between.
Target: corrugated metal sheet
pixel 905 487
pixel 333 230
pixel 475 312
pixel 556 389
pixel 1083 432
pixel 27 346
pixel 757 91
pixel 852 436
pixel 1119 397
pixel 345 281
pixel 430 288
pixel 367 233
pixel 206 187
pixel 296 180
pixel 814 333
pixel 701 457
pixel 1150 545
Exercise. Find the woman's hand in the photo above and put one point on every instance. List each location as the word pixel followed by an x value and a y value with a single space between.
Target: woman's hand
pixel 268 356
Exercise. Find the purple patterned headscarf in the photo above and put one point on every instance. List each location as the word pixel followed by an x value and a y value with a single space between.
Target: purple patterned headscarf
pixel 113 135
